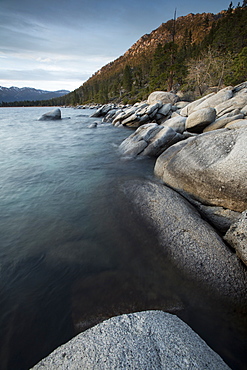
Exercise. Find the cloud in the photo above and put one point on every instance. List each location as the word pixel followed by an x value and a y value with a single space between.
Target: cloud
pixel 41 74
pixel 49 38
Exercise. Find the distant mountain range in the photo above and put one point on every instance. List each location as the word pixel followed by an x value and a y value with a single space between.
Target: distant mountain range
pixel 13 93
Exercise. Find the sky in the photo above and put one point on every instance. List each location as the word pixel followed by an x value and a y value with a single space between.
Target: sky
pixel 58 44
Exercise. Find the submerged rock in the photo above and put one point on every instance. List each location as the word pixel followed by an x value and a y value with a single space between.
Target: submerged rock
pixel 52 115
pixel 93 125
pixel 143 340
pixel 187 240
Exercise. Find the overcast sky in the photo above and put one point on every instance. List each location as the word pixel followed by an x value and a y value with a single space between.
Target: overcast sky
pixel 59 44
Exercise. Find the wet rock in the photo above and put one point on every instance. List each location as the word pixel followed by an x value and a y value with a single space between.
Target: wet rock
pixel 52 115
pixel 143 340
pixel 211 168
pixel 236 236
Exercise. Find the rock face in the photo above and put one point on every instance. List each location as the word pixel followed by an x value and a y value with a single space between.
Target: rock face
pixel 143 340
pixel 236 236
pixel 187 240
pixel 52 115
pixel 211 168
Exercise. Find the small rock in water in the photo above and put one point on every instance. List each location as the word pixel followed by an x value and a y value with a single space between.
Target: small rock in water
pixel 93 125
pixel 52 115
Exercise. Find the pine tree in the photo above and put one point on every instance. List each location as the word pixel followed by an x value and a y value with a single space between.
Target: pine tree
pixel 127 78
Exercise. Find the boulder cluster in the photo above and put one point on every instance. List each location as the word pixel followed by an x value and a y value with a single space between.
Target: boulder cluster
pixel 201 152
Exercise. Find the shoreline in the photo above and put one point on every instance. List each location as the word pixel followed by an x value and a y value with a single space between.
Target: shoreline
pixel 198 206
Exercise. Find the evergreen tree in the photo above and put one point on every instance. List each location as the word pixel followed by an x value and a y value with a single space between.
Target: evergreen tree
pixel 127 78
pixel 230 8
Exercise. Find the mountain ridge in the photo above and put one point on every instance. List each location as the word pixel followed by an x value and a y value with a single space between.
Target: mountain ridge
pixel 162 34
pixel 13 93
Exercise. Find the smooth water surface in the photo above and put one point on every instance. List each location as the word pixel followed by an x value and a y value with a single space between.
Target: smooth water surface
pixel 72 253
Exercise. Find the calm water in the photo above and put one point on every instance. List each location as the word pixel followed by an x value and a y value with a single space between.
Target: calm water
pixel 73 253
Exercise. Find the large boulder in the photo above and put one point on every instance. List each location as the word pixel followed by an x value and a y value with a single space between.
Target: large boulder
pixel 143 340
pixel 211 167
pixel 236 236
pixel 162 97
pixel 52 115
pixel 187 240
pixel 199 119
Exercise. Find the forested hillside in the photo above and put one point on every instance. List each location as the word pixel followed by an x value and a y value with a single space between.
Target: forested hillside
pixel 190 53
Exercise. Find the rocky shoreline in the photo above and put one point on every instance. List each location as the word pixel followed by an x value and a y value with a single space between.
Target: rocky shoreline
pixel 200 149
pixel 198 209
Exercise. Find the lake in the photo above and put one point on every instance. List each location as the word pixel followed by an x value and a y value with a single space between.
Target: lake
pixel 73 253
